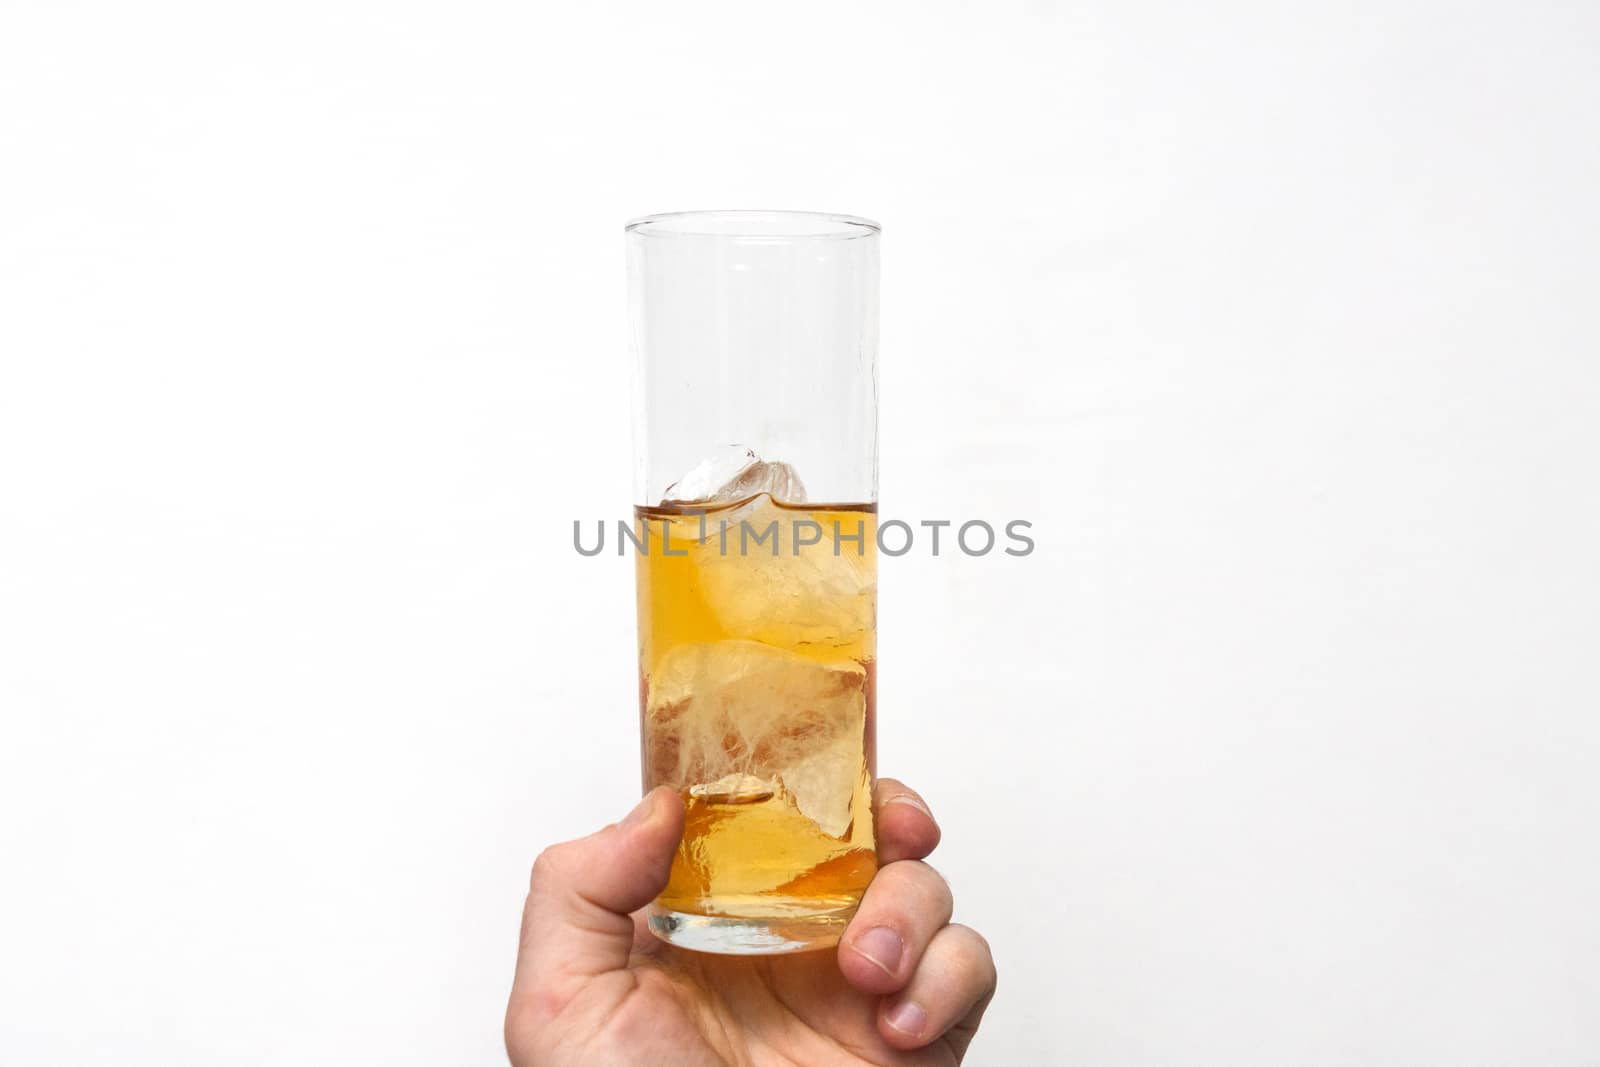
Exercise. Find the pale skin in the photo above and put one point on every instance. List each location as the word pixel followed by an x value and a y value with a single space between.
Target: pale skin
pixel 905 987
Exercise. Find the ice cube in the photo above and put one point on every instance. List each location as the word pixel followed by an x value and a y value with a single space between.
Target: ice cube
pixel 744 714
pixel 813 597
pixel 734 475
pixel 734 789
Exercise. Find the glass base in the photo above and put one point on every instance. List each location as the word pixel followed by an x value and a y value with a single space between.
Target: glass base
pixel 733 936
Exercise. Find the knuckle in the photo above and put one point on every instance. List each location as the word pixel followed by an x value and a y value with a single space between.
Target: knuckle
pixel 917 886
pixel 937 887
pixel 532 1009
pixel 975 951
pixel 548 867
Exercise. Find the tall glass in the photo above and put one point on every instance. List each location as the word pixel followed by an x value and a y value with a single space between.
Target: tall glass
pixel 755 527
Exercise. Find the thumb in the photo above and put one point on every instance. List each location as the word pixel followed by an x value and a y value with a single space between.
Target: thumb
pixel 576 922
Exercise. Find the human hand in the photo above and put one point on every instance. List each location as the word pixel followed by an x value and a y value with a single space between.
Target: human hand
pixel 905 987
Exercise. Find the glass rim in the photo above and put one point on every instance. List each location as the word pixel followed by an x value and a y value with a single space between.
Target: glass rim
pixel 756 224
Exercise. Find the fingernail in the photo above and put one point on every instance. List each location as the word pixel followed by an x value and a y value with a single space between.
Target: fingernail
pixel 641 813
pixel 882 946
pixel 907 1017
pixel 911 801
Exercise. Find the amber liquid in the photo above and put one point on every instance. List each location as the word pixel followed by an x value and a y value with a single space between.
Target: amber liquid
pixel 756 653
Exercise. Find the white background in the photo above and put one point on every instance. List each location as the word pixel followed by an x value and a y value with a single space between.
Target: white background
pixel 1277 320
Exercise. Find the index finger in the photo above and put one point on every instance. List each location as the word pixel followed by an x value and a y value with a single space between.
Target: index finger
pixel 906 828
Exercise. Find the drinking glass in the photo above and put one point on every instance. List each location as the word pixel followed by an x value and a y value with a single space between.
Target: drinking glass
pixel 755 525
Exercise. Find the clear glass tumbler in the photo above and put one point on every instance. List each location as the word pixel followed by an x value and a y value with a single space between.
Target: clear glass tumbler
pixel 755 527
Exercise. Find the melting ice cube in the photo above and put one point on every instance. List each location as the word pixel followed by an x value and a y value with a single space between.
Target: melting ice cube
pixel 811 597
pixel 741 713
pixel 735 475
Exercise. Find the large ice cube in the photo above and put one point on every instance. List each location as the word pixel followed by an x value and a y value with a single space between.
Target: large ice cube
pixel 740 712
pixel 734 475
pixel 810 598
